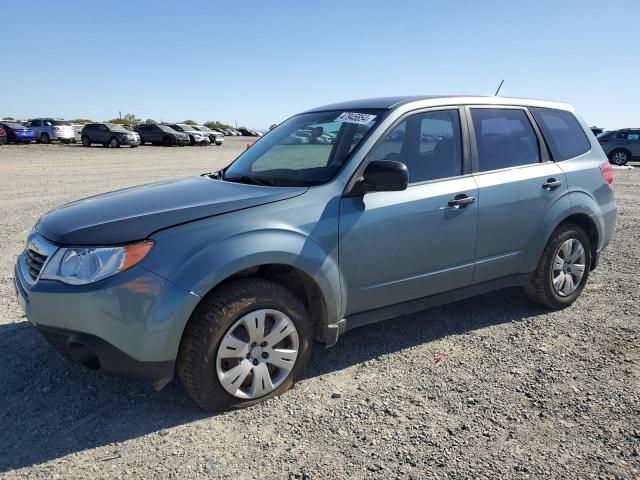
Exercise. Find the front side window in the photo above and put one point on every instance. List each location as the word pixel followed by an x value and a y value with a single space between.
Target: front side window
pixel 429 144
pixel 308 149
pixel 563 133
pixel 504 138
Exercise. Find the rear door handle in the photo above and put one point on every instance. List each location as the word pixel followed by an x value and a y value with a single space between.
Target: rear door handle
pixel 461 201
pixel 551 184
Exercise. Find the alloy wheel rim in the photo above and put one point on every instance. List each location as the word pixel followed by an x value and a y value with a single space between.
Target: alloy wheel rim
pixel 567 270
pixel 257 354
pixel 619 158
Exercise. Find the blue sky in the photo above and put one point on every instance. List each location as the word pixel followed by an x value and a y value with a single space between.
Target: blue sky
pixel 257 62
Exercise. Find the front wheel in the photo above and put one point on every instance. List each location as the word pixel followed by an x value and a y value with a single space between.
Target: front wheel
pixel 619 157
pixel 247 342
pixel 166 141
pixel 44 138
pixel 563 269
pixel 114 143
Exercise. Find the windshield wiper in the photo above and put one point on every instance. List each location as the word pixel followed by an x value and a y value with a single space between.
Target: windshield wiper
pixel 248 179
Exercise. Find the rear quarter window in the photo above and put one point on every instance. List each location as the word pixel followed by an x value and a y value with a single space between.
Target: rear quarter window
pixel 563 132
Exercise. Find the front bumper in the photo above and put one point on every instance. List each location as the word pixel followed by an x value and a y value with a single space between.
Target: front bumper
pixel 129 324
pixel 96 354
pixel 130 141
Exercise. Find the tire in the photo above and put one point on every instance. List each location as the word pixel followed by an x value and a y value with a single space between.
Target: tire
pixel 619 157
pixel 85 141
pixel 561 294
pixel 199 358
pixel 44 138
pixel 166 141
pixel 192 140
pixel 114 143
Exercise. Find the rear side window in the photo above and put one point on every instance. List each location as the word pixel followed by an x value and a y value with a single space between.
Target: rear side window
pixel 504 138
pixel 563 133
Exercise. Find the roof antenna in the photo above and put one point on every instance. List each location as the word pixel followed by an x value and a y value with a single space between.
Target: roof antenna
pixel 499 87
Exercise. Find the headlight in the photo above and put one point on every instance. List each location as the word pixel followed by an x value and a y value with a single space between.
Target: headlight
pixel 82 265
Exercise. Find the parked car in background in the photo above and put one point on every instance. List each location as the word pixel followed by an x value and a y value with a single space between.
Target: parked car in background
pixel 109 134
pixel 597 130
pixel 161 135
pixel 228 277
pixel 17 133
pixel 621 146
pixel 47 130
pixel 195 136
pixel 215 137
pixel 246 132
pixel 3 136
pixel 77 131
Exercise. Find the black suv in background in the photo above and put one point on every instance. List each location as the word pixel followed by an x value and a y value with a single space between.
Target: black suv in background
pixel 108 134
pixel 161 135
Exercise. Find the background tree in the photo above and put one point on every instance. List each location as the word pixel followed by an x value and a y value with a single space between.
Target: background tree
pixel 272 126
pixel 189 122
pixel 150 121
pixel 81 121
pixel 128 119
pixel 217 125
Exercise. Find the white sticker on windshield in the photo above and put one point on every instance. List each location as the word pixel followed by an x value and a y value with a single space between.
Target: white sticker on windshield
pixel 353 117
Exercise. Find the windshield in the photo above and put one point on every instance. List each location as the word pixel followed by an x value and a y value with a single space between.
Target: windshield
pixel 186 128
pixel 164 128
pixel 114 127
pixel 305 150
pixel 59 122
pixel 202 128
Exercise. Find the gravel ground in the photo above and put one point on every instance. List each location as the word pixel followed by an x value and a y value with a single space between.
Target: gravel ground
pixel 484 388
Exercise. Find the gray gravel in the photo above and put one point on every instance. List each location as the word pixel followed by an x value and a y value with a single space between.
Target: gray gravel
pixel 485 388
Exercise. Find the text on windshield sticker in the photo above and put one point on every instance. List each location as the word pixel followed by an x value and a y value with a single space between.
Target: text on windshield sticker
pixel 354 117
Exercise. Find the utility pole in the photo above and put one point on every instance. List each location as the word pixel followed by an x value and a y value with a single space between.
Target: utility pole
pixel 120 114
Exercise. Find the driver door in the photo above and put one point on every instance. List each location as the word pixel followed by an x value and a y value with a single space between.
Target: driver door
pixel 401 246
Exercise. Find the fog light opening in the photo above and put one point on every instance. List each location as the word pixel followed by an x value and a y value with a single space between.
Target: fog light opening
pixel 85 356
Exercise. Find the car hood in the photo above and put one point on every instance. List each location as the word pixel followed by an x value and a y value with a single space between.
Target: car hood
pixel 135 213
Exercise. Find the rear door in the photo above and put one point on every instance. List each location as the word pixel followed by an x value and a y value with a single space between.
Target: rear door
pixel 633 137
pixel 102 133
pixel 518 185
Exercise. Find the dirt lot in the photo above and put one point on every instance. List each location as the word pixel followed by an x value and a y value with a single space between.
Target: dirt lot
pixel 522 392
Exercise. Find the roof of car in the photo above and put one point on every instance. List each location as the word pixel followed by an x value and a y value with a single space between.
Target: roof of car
pixel 390 103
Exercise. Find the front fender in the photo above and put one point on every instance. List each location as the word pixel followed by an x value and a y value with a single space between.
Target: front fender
pixel 251 249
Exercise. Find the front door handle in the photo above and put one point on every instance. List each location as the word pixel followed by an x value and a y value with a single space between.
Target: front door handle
pixel 551 184
pixel 461 201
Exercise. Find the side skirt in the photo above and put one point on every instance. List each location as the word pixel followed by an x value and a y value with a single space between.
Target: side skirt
pixel 384 313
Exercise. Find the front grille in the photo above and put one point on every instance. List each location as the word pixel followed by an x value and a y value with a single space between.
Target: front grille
pixel 34 262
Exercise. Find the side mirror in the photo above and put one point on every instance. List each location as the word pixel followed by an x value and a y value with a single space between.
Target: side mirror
pixel 382 176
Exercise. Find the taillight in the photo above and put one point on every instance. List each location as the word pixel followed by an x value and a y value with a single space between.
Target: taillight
pixel 602 141
pixel 607 172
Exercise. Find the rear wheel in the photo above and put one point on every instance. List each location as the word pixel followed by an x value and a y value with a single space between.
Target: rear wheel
pixel 85 141
pixel 246 343
pixel 619 157
pixel 44 138
pixel 563 269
